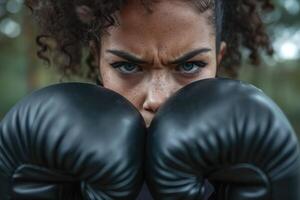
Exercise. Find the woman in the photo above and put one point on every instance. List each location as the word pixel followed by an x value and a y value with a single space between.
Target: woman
pixel 147 50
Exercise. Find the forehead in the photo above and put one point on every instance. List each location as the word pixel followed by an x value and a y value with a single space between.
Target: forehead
pixel 171 24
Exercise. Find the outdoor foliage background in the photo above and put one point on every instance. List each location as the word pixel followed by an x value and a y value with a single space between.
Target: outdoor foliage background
pixel 22 72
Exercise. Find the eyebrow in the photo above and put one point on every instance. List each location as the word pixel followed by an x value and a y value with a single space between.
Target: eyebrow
pixel 189 55
pixel 136 60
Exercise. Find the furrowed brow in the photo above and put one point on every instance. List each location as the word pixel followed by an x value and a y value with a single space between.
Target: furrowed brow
pixel 127 56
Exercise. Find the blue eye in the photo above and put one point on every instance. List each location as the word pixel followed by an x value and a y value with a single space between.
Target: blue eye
pixel 126 68
pixel 191 67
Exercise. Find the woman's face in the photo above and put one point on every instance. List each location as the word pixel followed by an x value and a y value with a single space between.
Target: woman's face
pixel 149 56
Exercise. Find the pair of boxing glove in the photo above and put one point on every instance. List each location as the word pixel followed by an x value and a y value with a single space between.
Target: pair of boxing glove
pixel 80 141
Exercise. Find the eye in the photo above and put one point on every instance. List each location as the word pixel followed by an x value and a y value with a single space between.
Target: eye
pixel 190 67
pixel 126 68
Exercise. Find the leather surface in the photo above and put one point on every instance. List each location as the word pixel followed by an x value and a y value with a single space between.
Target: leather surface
pixel 229 133
pixel 72 141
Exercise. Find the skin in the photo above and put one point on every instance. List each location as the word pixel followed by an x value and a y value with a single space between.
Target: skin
pixel 174 29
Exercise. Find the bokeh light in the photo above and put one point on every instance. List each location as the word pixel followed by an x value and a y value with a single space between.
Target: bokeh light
pixel 287 43
pixel 10 28
pixel 289 51
pixel 292 6
pixel 13 6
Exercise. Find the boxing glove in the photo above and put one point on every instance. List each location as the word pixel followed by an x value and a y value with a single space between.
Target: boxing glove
pixel 72 141
pixel 228 133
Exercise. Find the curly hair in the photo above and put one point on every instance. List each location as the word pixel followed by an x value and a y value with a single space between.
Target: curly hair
pixel 67 28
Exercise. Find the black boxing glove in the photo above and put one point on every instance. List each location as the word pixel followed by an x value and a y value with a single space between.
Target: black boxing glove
pixel 226 132
pixel 72 141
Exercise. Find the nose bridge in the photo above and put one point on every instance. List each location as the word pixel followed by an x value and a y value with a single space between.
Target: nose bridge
pixel 160 84
pixel 158 91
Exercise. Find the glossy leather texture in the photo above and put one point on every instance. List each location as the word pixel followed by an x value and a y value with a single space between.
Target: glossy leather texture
pixel 72 141
pixel 229 133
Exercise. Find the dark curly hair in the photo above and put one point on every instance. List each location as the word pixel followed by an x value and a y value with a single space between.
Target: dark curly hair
pixel 67 28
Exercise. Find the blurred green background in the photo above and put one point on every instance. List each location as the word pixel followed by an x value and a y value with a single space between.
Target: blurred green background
pixel 279 77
